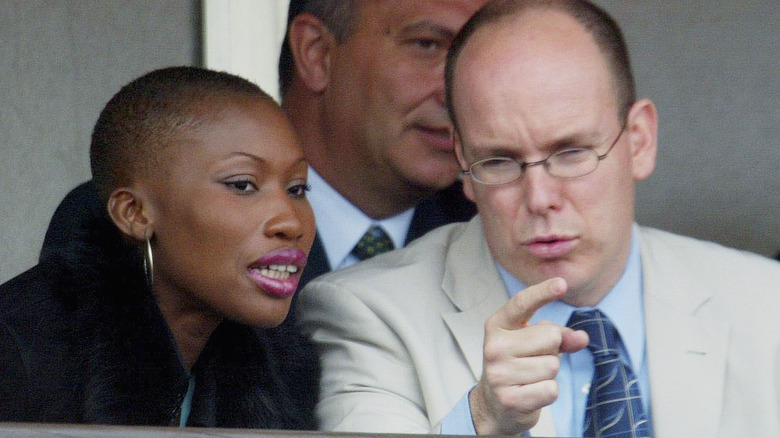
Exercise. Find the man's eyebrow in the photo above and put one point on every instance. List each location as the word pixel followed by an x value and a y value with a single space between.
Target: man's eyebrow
pixel 487 150
pixel 482 151
pixel 428 26
pixel 569 141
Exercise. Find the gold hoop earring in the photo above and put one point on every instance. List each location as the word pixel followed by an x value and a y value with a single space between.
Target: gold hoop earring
pixel 149 263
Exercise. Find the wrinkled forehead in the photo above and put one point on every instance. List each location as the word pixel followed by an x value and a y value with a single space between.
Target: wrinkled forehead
pixel 390 15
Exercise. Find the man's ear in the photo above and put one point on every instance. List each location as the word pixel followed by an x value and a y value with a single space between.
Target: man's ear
pixel 468 182
pixel 130 213
pixel 642 131
pixel 311 44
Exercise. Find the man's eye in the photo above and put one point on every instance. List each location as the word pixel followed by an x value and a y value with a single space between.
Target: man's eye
pixel 428 45
pixel 574 155
pixel 498 164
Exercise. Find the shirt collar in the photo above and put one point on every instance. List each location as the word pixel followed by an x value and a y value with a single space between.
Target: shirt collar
pixel 340 224
pixel 623 304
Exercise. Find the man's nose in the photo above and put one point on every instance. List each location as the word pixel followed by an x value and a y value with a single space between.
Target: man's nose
pixel 541 190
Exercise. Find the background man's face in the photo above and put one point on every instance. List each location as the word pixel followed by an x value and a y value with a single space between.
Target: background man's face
pixel 387 93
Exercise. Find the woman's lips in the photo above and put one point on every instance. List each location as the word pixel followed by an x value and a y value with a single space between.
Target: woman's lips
pixel 278 272
pixel 550 247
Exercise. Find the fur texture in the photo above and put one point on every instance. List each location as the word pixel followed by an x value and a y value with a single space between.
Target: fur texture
pixel 83 341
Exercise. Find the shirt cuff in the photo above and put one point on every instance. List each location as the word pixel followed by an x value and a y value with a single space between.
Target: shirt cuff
pixel 458 421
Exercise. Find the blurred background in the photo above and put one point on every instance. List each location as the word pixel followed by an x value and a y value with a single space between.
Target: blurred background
pixel 711 67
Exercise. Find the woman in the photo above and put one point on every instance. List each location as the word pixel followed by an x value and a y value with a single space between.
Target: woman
pixel 150 315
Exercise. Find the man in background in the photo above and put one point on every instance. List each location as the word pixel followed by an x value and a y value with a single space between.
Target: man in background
pixel 363 83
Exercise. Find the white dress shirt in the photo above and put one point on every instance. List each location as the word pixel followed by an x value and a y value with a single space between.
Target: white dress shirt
pixel 340 224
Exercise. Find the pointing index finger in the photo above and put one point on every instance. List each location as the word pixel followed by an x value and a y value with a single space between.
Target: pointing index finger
pixel 521 308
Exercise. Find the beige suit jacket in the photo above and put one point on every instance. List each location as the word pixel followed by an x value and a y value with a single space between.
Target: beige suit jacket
pixel 401 335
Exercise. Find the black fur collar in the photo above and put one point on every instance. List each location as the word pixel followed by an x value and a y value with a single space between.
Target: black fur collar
pixel 133 373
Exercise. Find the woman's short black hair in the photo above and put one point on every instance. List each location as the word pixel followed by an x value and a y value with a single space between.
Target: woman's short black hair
pixel 149 112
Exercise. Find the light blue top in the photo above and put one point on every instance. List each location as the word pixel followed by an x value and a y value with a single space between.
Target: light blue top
pixel 623 305
pixel 340 224
pixel 186 404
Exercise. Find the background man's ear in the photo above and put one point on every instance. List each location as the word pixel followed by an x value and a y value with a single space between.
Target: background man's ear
pixel 468 183
pixel 130 213
pixel 311 44
pixel 642 130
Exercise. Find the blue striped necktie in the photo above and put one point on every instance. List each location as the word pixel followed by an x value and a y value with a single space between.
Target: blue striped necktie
pixel 614 407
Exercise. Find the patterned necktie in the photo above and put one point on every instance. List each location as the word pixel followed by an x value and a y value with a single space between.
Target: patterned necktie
pixel 374 242
pixel 614 407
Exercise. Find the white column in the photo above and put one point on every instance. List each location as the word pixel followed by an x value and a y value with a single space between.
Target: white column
pixel 244 37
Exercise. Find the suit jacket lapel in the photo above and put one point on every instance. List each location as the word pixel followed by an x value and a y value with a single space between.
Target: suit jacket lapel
pixel 474 286
pixel 686 347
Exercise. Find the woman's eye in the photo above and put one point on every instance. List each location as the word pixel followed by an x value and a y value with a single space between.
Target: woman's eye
pixel 299 190
pixel 242 186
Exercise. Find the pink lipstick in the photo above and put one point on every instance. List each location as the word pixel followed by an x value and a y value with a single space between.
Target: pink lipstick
pixel 278 272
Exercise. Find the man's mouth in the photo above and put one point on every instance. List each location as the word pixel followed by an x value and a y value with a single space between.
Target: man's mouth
pixel 550 247
pixel 438 136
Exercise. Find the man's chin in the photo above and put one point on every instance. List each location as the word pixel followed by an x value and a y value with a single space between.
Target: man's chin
pixel 436 176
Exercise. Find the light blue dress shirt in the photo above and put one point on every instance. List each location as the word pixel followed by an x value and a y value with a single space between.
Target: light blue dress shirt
pixel 623 305
pixel 340 224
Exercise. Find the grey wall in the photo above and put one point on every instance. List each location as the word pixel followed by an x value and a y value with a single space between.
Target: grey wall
pixel 712 69
pixel 710 66
pixel 60 62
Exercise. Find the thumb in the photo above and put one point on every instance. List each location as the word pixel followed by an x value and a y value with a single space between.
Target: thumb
pixel 573 340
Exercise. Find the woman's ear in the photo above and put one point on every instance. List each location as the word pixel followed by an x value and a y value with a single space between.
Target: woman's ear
pixel 642 130
pixel 311 44
pixel 130 213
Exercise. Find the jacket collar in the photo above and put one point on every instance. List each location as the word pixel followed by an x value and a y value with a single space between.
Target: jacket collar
pixel 687 346
pixel 472 283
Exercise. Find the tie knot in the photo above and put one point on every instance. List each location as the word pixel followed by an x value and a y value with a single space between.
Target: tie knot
pixel 374 242
pixel 604 338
